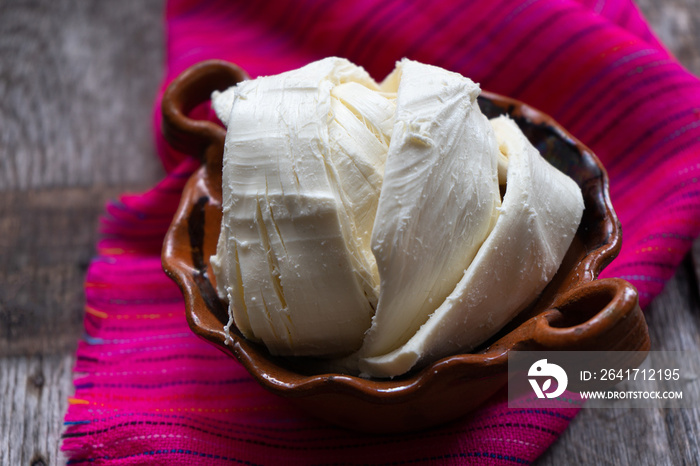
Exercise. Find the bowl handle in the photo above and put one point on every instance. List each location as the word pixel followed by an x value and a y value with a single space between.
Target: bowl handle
pixel 602 315
pixel 192 87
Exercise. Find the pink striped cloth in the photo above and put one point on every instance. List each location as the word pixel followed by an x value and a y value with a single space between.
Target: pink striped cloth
pixel 149 391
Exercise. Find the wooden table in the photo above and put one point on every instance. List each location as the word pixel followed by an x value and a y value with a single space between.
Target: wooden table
pixel 77 81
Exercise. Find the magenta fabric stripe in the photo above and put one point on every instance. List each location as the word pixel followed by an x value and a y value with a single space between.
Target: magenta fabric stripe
pixel 149 391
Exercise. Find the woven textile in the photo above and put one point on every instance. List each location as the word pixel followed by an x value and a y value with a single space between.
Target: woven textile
pixel 149 391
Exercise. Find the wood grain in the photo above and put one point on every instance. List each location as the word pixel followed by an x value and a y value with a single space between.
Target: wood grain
pixel 677 24
pixel 35 393
pixel 77 81
pixel 47 243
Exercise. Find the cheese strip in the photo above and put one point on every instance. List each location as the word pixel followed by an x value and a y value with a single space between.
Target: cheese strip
pixel 359 135
pixel 438 202
pixel 538 219
pixel 291 259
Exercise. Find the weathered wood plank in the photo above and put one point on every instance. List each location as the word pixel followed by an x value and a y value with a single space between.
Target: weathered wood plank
pixel 695 260
pixel 77 81
pixel 48 239
pixel 677 24
pixel 34 393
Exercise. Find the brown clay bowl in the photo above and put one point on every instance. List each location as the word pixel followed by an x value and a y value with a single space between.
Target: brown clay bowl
pixel 576 312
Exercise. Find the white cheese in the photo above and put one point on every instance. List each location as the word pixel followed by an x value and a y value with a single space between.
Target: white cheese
pixel 364 222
